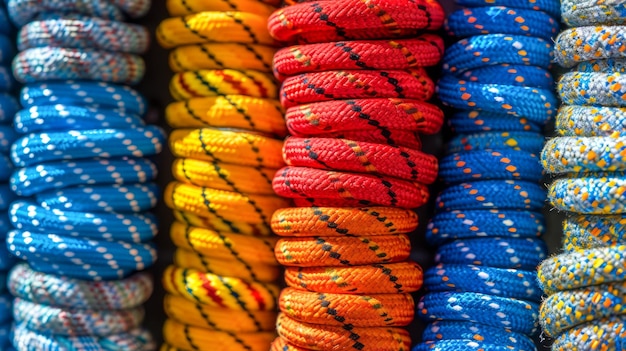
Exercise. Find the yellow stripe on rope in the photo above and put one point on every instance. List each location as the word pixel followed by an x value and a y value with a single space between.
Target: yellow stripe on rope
pixel 219 291
pixel 187 337
pixel 229 206
pixel 222 55
pixel 230 111
pixel 217 82
pixel 213 26
pixel 240 148
pixel 215 318
pixel 225 246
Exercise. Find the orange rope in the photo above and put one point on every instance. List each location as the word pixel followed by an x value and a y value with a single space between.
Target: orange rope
pixel 342 251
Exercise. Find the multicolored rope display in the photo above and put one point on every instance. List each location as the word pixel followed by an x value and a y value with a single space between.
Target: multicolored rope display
pixel 85 232
pixel 584 283
pixel 483 294
pixel 355 89
pixel 228 125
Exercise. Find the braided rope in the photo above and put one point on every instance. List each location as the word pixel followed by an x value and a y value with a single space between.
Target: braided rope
pixel 218 291
pixel 198 28
pixel 234 267
pixel 47 63
pixel 323 337
pixel 356 84
pixel 588 12
pixel 368 114
pixel 186 7
pixel 360 157
pixel 83 31
pixel 216 318
pixel 403 54
pixel 302 182
pixel 392 278
pixel 376 19
pixel 247 149
pixel 187 337
pixel 209 83
pixel 342 221
pixel 222 55
pixel 342 251
pixel 236 111
pixel 587 232
pixel 593 194
pixel 379 310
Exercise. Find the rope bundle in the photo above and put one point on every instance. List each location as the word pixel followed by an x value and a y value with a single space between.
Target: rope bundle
pixel 83 156
pixel 228 125
pixel 355 89
pixel 483 293
pixel 8 107
pixel 585 283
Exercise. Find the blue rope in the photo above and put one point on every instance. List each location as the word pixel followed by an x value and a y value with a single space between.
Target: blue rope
pixel 50 63
pixel 451 225
pixel 129 227
pixel 84 32
pixel 471 122
pixel 492 194
pixel 54 175
pixel 65 117
pixel 84 94
pixel 527 141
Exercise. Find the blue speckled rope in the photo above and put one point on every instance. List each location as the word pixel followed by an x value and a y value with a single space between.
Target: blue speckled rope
pixel 605 334
pixel 23 11
pixel 75 322
pixel 549 6
pixel 55 175
pixel 453 335
pixel 51 63
pixel 129 227
pixel 528 141
pixel 85 94
pixel 62 291
pixel 511 283
pixel 511 314
pixel 524 253
pixel 566 309
pixel 592 194
pixel 470 122
pixel 487 194
pixel 577 269
pixel 505 74
pixel 450 225
pixel 590 121
pixel 587 12
pixel 66 117
pixel 485 165
pixel 84 32
pixel 538 105
pixel 501 20
pixel 28 340
pixel 581 44
pixel 587 88
pixel 588 232
pixel 44 248
pixel 584 154
pixel 76 144
pixel 493 49
pixel 108 198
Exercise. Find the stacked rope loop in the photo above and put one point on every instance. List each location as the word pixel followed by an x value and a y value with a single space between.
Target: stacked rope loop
pixel 8 106
pixel 80 196
pixel 228 126
pixel 483 294
pixel 585 283
pixel 354 87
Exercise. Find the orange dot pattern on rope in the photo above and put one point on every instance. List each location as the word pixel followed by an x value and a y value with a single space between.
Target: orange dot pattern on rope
pixel 228 125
